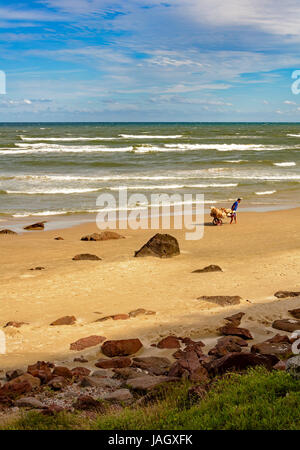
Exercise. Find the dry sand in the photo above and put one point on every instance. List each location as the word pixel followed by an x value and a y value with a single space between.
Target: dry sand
pixel 259 256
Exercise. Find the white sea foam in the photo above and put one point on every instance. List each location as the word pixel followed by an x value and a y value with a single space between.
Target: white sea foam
pixel 227 147
pixel 285 164
pixel 147 136
pixel 265 193
pixel 80 138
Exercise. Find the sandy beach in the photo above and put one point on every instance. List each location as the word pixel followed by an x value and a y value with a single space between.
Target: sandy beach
pixel 259 256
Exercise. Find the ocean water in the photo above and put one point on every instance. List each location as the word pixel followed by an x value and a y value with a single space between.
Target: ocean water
pixel 55 169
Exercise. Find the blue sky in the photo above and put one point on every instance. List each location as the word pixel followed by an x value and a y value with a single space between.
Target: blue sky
pixel 149 60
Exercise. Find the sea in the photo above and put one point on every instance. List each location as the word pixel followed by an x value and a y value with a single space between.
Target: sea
pixel 59 169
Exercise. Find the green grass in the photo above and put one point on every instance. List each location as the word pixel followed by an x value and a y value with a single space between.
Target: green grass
pixel 256 400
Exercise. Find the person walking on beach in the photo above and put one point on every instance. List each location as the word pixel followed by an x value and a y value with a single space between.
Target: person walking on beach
pixel 234 209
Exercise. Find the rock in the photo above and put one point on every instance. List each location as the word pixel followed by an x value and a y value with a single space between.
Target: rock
pixel 36 226
pixel 11 374
pixel 61 371
pixel 278 338
pixel 199 375
pixel 114 317
pixel 102 373
pixel 58 238
pixel 222 300
pixel 86 257
pixel 15 324
pixel 80 372
pixel 293 367
pixel 86 403
pixel 6 231
pixel 289 325
pixel 58 383
pixel 122 347
pixel 185 365
pixel 29 402
pixel 148 382
pixel 235 331
pixel 295 312
pixel 211 268
pixel 87 342
pixel 81 359
pixel 116 363
pixel 120 395
pixel 41 370
pixel 19 385
pixel 153 364
pixel 286 294
pixel 235 319
pixel 38 268
pixel 281 349
pixel 99 382
pixel 223 349
pixel 281 365
pixel 104 236
pixel 66 320
pixel 127 372
pixel 169 342
pixel 240 361
pixel 160 245
pixel 140 311
pixel 232 339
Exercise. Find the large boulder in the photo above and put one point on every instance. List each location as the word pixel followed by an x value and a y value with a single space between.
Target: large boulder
pixel 295 313
pixel 87 342
pixel 221 300
pixel 86 257
pixel 104 236
pixel 282 349
pixel 35 226
pixel 41 370
pixel 289 325
pixel 229 330
pixel 293 366
pixel 187 364
pixel 122 347
pixel 160 245
pixel 20 385
pixel 286 294
pixel 153 364
pixel 240 361
pixel 211 268
pixel 169 342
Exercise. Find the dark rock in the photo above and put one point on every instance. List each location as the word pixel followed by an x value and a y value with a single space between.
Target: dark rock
pixel 289 325
pixel 240 361
pixel 86 342
pixel 41 370
pixel 104 236
pixel 86 257
pixel 122 347
pixel 20 385
pixel 169 342
pixel 295 312
pixel 140 311
pixel 114 317
pixel 11 374
pixel 36 226
pixel 160 245
pixel 185 365
pixel 223 349
pixel 281 349
pixel 58 238
pixel 15 324
pixel 38 268
pixel 5 231
pixel 61 371
pixel 286 294
pixel 58 383
pixel 211 268
pixel 235 319
pixel 199 375
pixel 221 300
pixel 293 367
pixel 235 331
pixel 81 359
pixel 80 372
pixel 278 338
pixel 115 363
pixel 66 320
pixel 153 364
pixel 225 340
pixel 148 382
pixel 87 403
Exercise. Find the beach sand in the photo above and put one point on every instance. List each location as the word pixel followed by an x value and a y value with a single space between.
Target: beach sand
pixel 259 256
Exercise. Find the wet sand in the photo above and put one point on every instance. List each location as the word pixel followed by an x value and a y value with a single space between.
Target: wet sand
pixel 259 256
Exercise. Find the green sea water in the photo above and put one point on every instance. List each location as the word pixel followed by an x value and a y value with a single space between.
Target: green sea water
pixel 61 168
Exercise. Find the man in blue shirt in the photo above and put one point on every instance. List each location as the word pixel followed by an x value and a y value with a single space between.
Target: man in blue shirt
pixel 234 210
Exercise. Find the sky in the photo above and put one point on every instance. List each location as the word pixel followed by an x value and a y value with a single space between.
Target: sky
pixel 149 60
